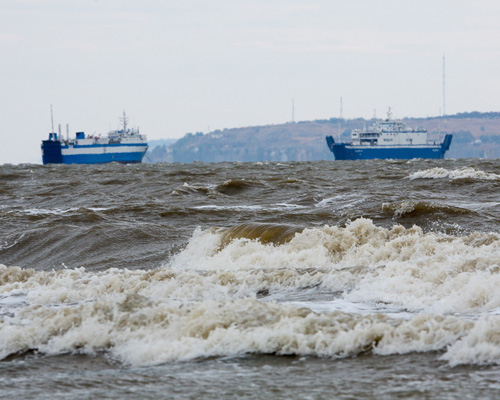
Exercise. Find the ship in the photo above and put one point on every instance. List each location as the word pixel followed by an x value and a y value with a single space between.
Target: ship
pixel 125 145
pixel 389 139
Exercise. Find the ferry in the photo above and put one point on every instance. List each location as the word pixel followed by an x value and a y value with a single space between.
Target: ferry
pixel 388 139
pixel 124 146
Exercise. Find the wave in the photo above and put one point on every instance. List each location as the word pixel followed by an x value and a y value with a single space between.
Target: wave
pixel 229 188
pixel 341 201
pixel 465 173
pixel 139 331
pixel 225 208
pixel 264 233
pixel 58 211
pixel 272 207
pixel 42 213
pixel 236 186
pixel 188 189
pixel 270 289
pixel 417 208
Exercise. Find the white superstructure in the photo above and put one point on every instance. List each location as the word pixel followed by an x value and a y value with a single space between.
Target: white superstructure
pixel 389 133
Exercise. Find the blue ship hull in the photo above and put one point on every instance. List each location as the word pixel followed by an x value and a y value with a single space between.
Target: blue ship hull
pixel 126 158
pixel 346 151
pixel 53 152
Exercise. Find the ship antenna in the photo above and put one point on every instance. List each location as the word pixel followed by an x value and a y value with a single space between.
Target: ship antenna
pixel 124 120
pixel 389 114
pixel 52 118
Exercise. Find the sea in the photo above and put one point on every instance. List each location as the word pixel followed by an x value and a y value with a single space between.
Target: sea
pixel 267 280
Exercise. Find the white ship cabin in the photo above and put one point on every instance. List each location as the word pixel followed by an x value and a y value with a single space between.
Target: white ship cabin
pixel 121 136
pixel 126 136
pixel 113 137
pixel 389 133
pixel 85 140
pixel 81 140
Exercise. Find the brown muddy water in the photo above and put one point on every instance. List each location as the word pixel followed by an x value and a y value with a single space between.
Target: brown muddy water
pixel 366 279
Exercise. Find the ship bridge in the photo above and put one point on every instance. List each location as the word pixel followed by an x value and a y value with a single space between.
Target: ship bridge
pixel 389 133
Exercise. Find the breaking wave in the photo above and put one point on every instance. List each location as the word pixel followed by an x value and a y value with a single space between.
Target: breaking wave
pixel 264 233
pixel 465 173
pixel 235 186
pixel 256 288
pixel 417 208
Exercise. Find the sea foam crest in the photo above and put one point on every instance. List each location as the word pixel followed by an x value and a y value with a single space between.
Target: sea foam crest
pixel 139 331
pixel 457 174
pixel 481 345
pixel 404 267
pixel 216 298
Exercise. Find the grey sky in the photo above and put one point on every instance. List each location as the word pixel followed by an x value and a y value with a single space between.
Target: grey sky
pixel 188 66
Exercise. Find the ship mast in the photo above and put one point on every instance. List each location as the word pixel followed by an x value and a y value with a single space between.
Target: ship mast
pixel 124 121
pixel 389 114
pixel 52 118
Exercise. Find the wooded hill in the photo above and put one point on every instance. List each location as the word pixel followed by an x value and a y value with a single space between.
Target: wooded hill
pixel 475 134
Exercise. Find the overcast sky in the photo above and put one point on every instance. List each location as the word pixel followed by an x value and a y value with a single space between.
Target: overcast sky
pixel 178 66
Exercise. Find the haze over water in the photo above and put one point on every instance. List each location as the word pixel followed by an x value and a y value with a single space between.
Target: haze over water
pixel 251 280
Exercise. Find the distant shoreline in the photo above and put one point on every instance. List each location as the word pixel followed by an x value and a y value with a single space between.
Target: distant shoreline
pixel 475 135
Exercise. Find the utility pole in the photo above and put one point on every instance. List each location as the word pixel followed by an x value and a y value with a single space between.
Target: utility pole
pixel 340 118
pixel 444 87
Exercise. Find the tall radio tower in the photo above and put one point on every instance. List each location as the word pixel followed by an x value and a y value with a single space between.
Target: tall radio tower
pixel 444 87
pixel 340 118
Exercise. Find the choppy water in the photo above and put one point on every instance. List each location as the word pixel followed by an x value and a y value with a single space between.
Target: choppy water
pixel 252 280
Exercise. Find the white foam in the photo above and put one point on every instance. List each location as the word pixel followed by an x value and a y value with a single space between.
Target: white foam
pixel 42 211
pixel 404 267
pixel 235 208
pixel 6 245
pixel 58 211
pixel 480 345
pixel 347 306
pixel 274 207
pixel 396 290
pixel 280 206
pixel 139 331
pixel 340 201
pixel 15 298
pixel 463 173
